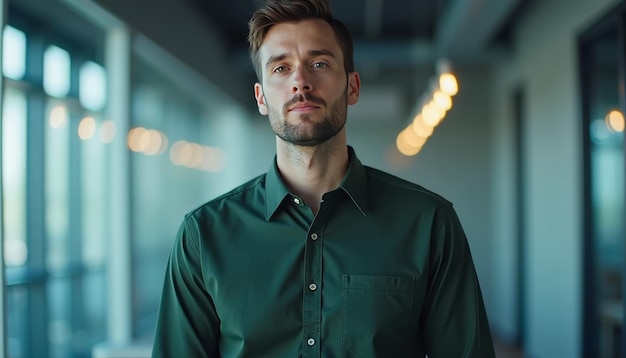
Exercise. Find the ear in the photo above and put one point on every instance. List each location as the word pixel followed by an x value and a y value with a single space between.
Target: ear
pixel 354 86
pixel 260 98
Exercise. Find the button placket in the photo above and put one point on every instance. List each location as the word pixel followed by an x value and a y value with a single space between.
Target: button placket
pixel 312 299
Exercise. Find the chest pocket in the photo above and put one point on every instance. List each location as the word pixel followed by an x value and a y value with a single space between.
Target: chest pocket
pixel 376 314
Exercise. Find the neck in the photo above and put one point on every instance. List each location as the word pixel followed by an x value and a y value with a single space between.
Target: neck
pixel 310 172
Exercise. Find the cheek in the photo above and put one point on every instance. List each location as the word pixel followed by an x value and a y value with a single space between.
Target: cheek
pixel 274 97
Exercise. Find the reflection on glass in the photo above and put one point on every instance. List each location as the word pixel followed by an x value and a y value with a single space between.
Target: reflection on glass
pixel 615 121
pixel 607 189
pixel 87 128
pixel 14 177
pixel 107 131
pixel 56 71
pixel 13 53
pixel 60 307
pixel 92 86
pixel 159 107
pixel 58 116
pixel 16 322
pixel 94 204
pixel 57 174
pixel 93 313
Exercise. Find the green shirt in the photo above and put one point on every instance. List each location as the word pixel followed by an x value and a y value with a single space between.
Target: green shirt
pixel 383 270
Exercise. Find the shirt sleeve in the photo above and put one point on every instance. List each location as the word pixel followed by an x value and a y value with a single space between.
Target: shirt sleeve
pixel 454 319
pixel 187 323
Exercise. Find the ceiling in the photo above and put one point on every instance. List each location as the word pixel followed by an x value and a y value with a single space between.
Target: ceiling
pixel 392 33
pixel 368 20
pixel 394 39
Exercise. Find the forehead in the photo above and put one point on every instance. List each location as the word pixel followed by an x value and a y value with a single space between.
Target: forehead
pixel 292 38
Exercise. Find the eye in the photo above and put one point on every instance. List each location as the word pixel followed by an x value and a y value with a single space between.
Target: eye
pixel 320 65
pixel 280 69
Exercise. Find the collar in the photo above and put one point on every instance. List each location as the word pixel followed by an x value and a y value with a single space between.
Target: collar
pixel 354 184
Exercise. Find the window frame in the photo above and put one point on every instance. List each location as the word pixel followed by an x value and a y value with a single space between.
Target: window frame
pixel 615 18
pixel 34 277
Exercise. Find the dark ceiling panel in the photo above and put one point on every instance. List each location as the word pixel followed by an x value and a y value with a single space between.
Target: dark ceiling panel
pixel 392 20
pixel 414 19
pixel 230 17
pixel 350 13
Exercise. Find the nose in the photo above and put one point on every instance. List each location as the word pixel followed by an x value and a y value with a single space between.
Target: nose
pixel 301 81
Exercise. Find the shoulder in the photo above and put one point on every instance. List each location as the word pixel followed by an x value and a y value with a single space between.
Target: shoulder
pixel 403 190
pixel 238 195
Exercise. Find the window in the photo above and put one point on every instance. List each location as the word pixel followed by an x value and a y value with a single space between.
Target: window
pixel 92 87
pixel 57 185
pixel 602 72
pixel 14 177
pixel 54 176
pixel 13 53
pixel 56 71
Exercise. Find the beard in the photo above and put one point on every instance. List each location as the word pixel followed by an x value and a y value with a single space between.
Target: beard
pixel 306 132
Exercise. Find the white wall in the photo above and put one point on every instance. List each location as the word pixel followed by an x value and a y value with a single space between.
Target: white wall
pixel 545 63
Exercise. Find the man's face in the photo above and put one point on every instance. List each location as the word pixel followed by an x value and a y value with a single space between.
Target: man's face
pixel 305 90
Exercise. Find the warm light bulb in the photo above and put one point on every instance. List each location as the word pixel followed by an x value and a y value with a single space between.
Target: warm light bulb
pixel 615 121
pixel 86 128
pixel 58 116
pixel 412 139
pixel 154 142
pixel 144 140
pixel 197 156
pixel 420 128
pixel 448 84
pixel 134 138
pixel 442 100
pixel 431 115
pixel 175 152
pixel 181 153
pixel 404 147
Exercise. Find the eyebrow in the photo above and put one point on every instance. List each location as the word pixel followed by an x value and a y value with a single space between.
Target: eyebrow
pixel 311 53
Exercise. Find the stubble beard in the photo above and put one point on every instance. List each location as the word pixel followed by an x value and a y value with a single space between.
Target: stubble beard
pixel 307 133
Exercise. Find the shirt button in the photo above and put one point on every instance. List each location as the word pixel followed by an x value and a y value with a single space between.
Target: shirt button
pixel 313 236
pixel 311 342
pixel 296 201
pixel 312 287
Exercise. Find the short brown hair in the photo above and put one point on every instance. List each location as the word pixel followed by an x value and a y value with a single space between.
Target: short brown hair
pixel 279 11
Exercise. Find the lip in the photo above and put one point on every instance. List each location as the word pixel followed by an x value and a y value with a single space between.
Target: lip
pixel 304 107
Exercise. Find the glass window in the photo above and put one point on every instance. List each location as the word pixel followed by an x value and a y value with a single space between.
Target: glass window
pixel 92 87
pixel 93 300
pixel 605 125
pixel 94 205
pixel 56 71
pixel 57 179
pixel 14 177
pixel 60 307
pixel 156 100
pixel 17 300
pixel 13 53
pixel 54 184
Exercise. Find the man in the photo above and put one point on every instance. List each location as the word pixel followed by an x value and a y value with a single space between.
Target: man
pixel 321 256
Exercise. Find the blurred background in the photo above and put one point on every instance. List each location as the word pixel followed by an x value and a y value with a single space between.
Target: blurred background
pixel 118 117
